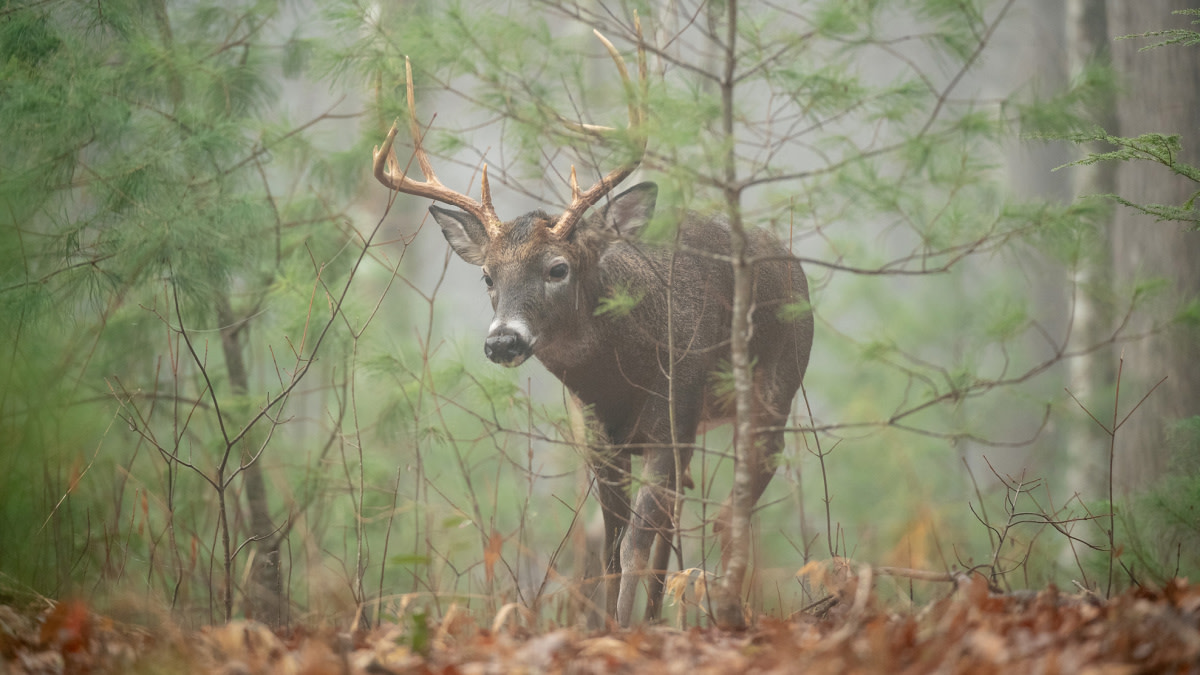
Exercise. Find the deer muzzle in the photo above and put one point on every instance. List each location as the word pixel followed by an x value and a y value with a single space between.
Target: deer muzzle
pixel 509 343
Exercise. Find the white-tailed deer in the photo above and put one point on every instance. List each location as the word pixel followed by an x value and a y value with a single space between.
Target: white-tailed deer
pixel 546 276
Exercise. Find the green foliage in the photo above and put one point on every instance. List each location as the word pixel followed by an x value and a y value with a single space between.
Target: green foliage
pixel 839 18
pixel 620 302
pixel 139 210
pixel 1176 36
pixel 721 383
pixel 1154 148
pixel 1157 528
pixel 1189 314
pixel 418 637
pixel 27 39
pixel 957 25
pixel 1071 109
pixel 794 311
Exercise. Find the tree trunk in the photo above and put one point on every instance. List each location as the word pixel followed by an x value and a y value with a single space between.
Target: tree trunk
pixel 264 594
pixel 1087 463
pixel 728 594
pixel 1161 94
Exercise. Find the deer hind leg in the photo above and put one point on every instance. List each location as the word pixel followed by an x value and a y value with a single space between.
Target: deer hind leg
pixel 665 544
pixel 776 381
pixel 658 573
pixel 771 407
pixel 767 447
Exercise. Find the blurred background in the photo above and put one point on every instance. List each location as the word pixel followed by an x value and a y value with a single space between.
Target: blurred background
pixel 239 377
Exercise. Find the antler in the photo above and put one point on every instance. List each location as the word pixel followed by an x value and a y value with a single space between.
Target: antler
pixel 581 200
pixel 387 171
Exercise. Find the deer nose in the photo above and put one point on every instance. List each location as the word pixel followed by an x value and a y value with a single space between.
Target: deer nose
pixel 507 346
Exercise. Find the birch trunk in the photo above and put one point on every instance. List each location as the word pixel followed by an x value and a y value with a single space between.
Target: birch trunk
pixel 1086 474
pixel 729 612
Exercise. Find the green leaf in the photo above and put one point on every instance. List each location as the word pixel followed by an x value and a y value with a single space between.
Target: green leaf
pixel 419 638
pixel 297 53
pixel 409 560
pixel 795 311
pixel 620 303
pixel 1190 314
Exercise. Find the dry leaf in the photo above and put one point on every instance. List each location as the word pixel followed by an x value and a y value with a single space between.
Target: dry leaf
pixel 491 554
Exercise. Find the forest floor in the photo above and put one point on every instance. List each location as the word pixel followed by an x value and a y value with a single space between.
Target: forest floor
pixel 971 630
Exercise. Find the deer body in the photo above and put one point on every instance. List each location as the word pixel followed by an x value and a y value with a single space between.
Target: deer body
pixel 546 291
pixel 661 360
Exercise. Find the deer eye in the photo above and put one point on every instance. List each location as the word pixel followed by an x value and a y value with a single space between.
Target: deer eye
pixel 558 271
pixel 487 280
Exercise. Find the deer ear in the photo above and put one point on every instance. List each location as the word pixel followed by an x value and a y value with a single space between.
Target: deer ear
pixel 629 211
pixel 465 233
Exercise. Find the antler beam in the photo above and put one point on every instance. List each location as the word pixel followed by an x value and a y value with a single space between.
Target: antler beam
pixel 388 172
pixel 582 200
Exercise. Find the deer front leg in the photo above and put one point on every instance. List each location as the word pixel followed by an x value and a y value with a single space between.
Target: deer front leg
pixel 611 468
pixel 653 517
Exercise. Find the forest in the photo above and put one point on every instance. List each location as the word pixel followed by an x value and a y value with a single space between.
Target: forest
pixel 252 418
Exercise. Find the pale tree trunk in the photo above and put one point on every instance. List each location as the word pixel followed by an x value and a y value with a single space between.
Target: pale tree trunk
pixel 1087 443
pixel 728 596
pixel 1161 94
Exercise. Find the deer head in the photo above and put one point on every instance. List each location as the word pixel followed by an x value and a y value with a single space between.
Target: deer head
pixel 537 268
pixel 542 279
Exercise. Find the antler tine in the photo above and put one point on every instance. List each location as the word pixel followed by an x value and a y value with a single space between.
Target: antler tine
pixel 485 195
pixel 387 170
pixel 582 200
pixel 414 129
pixel 575 191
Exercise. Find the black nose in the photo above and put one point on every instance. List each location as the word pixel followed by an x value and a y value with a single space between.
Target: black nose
pixel 506 348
